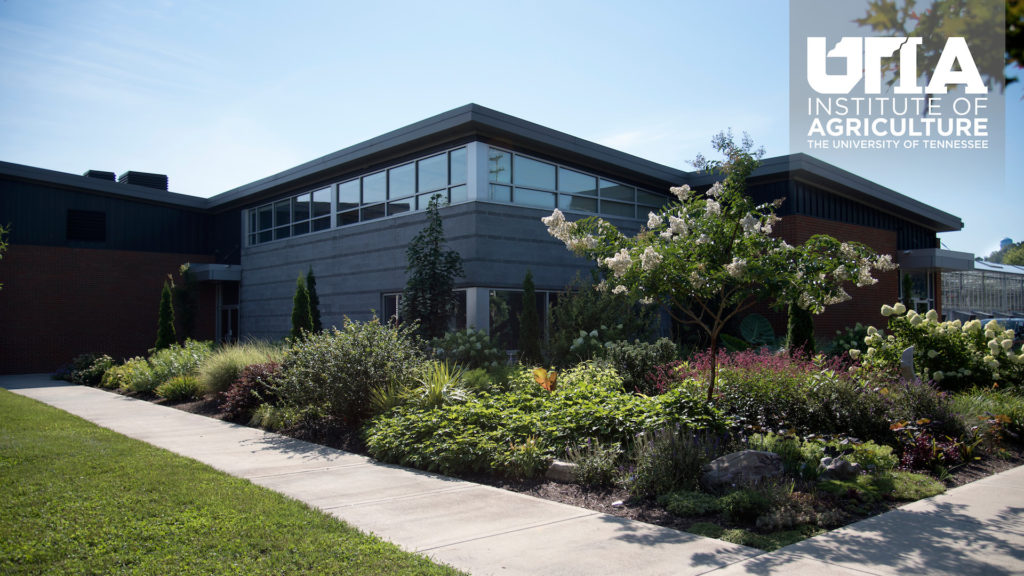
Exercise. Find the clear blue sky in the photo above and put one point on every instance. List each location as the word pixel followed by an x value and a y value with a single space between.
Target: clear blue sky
pixel 218 94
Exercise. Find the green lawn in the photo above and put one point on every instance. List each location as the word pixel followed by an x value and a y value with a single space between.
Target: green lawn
pixel 79 499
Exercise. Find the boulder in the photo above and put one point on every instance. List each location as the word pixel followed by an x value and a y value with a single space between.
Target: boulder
pixel 560 471
pixel 740 468
pixel 838 469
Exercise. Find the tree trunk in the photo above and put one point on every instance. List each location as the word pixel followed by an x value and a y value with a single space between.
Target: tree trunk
pixel 714 366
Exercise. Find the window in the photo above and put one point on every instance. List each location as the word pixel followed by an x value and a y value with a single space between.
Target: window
pixel 389 192
pixel 519 179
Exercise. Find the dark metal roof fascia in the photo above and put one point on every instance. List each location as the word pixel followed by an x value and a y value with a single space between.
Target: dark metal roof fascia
pixel 471 120
pixel 105 187
pixel 849 185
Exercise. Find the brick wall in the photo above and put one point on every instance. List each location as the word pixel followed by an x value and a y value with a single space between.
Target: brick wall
pixel 58 302
pixel 868 300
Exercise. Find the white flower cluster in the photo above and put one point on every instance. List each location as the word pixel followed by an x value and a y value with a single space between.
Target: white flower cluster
pixel 676 227
pixel 653 220
pixel 681 192
pixel 650 259
pixel 619 263
pixel 713 208
pixel 558 226
pixel 736 268
pixel 716 190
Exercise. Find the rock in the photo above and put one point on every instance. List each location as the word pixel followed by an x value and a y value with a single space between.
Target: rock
pixel 560 471
pixel 746 467
pixel 838 469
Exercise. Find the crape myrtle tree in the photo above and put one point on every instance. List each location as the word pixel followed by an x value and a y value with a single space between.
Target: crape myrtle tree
pixel 706 257
pixel 429 298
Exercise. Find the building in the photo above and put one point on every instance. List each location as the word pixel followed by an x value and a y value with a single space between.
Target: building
pixel 986 290
pixel 88 255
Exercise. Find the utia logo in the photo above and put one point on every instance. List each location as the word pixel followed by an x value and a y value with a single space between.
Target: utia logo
pixel 864 62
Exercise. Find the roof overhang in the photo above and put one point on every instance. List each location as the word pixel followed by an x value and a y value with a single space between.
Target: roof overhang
pixel 934 259
pixel 204 272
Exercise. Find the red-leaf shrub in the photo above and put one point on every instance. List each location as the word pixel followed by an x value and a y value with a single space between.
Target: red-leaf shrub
pixel 255 386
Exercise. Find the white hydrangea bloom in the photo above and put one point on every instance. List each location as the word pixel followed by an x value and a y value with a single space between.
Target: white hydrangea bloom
pixel 1007 344
pixel 938 376
pixel 899 308
pixel 972 326
pixel 932 316
pixel 887 311
pixel 933 353
pixel 650 259
pixel 854 353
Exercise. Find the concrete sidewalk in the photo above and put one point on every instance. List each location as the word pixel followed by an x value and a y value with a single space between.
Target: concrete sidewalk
pixel 974 529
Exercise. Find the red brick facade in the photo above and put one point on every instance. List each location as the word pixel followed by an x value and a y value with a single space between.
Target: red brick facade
pixel 867 301
pixel 58 302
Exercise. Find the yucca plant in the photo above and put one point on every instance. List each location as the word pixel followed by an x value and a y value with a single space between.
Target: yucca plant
pixel 440 384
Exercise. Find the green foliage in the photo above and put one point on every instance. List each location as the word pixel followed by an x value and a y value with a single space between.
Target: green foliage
pixel 745 504
pixel 302 318
pixel 529 324
pixel 669 459
pixel 910 486
pixel 177 360
pixel 766 542
pixel 595 462
pixel 799 331
pixel 314 302
pixel 468 348
pixel 225 366
pixel 688 503
pixel 941 19
pixel 186 300
pixel 850 338
pixel 634 361
pixel 524 460
pixel 334 371
pixel 476 435
pixel 955 356
pixel 993 415
pixel 180 388
pixel 428 300
pixel 757 330
pixel 84 500
pixel 581 309
pixel 165 323
pixel 88 369
pixel 134 374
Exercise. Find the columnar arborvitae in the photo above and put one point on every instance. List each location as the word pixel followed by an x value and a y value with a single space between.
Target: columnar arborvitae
pixel 314 300
pixel 302 320
pixel 529 324
pixel 165 324
pixel 799 331
pixel 429 297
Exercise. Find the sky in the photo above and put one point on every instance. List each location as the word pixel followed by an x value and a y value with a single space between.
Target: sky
pixel 219 94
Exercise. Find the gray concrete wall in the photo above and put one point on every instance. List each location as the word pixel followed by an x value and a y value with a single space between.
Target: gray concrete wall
pixel 354 265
